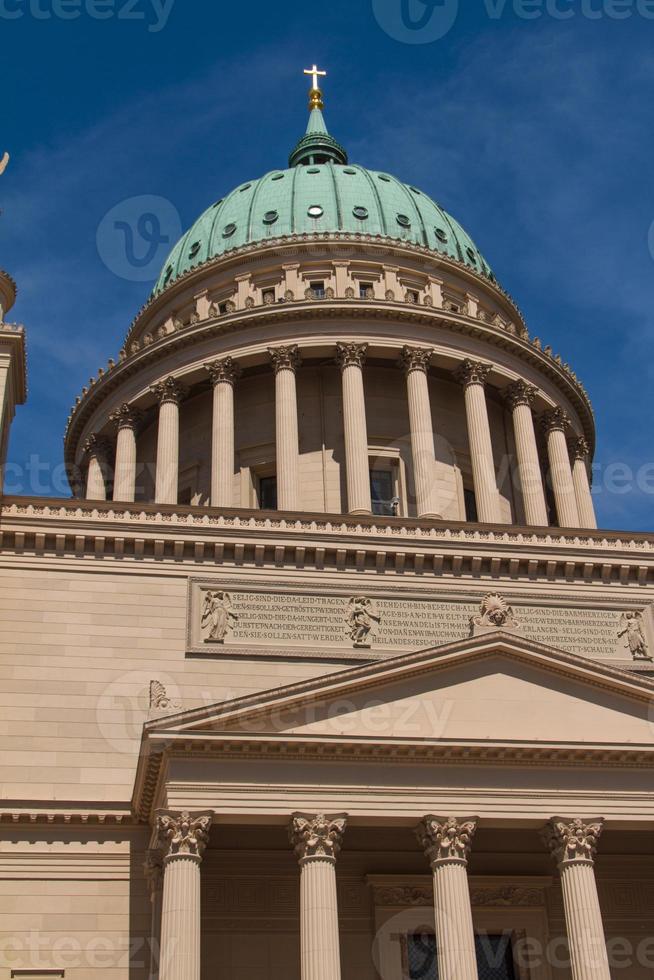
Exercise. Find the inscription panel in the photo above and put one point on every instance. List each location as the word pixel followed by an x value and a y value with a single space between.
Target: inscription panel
pixel 223 619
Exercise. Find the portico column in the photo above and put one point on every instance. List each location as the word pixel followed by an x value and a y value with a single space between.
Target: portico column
pixel 223 378
pixel 316 838
pixel 126 420
pixel 97 450
pixel 183 837
pixel 350 358
pixel 472 375
pixel 415 361
pixel 286 361
pixel 520 399
pixel 580 451
pixel 573 844
pixel 446 842
pixel 169 394
pixel 554 425
pixel 153 870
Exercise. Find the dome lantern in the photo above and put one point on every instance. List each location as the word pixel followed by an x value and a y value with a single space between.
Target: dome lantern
pixel 317 146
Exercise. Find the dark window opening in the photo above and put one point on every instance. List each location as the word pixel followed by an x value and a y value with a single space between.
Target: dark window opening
pixel 318 289
pixel 412 296
pixel 384 501
pixel 471 506
pixel 365 290
pixel 185 497
pixel 269 296
pixel 494 957
pixel 268 492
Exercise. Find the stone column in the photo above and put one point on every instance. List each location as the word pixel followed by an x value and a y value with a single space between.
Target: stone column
pixel 446 842
pixel 169 394
pixel 153 870
pixel 286 361
pixel 183 837
pixel 317 841
pixel 350 358
pixel 580 451
pixel 573 844
pixel 554 425
pixel 126 419
pixel 223 375
pixel 97 451
pixel 520 399
pixel 472 375
pixel 415 361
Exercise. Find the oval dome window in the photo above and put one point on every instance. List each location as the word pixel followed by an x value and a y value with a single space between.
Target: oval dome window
pixel 168 273
pixel 360 213
pixel 349 171
pixel 313 170
pixel 315 211
pixel 228 231
pixel 404 220
pixel 245 187
pixel 471 255
pixel 270 217
pixel 278 176
pixel 194 249
pixel 441 234
pixel 386 179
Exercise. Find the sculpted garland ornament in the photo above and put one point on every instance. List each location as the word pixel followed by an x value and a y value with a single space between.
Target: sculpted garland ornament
pixel 317 836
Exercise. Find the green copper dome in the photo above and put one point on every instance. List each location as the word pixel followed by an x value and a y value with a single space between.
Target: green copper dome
pixel 320 194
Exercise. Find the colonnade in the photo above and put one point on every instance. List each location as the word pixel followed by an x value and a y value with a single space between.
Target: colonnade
pixel 569 476
pixel 316 839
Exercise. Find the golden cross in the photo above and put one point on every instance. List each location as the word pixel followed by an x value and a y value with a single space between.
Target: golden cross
pixel 315 71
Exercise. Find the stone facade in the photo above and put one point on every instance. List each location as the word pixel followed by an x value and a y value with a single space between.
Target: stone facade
pixel 346 734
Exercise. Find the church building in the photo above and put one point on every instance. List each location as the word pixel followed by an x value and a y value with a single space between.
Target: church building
pixel 324 670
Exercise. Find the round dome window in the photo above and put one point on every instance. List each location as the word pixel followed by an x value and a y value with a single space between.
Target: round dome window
pixel 228 231
pixel 194 249
pixel 360 213
pixel 278 176
pixel 315 211
pixel 168 273
pixel 386 179
pixel 404 220
pixel 313 170
pixel 441 234
pixel 471 255
pixel 349 171
pixel 270 217
pixel 245 187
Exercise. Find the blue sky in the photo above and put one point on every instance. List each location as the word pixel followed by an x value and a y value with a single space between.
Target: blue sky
pixel 533 130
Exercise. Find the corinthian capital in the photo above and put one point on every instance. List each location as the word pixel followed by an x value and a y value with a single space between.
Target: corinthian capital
pixel 416 359
pixel 97 446
pixel 473 373
pixel 317 836
pixel 520 393
pixel 125 417
pixel 183 834
pixel 555 420
pixel 351 354
pixel 284 358
pixel 579 448
pixel 446 839
pixel 226 370
pixel 573 841
pixel 169 390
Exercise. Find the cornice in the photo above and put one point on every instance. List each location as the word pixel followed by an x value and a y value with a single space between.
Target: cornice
pixel 64 815
pixel 528 351
pixel 52 529
pixel 159 748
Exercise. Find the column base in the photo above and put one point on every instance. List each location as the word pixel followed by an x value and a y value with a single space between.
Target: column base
pixel 359 513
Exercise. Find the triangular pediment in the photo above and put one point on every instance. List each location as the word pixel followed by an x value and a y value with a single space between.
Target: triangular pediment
pixel 498 688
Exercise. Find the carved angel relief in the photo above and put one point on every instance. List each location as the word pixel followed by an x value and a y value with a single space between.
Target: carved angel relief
pixel 363 620
pixel 632 630
pixel 218 616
